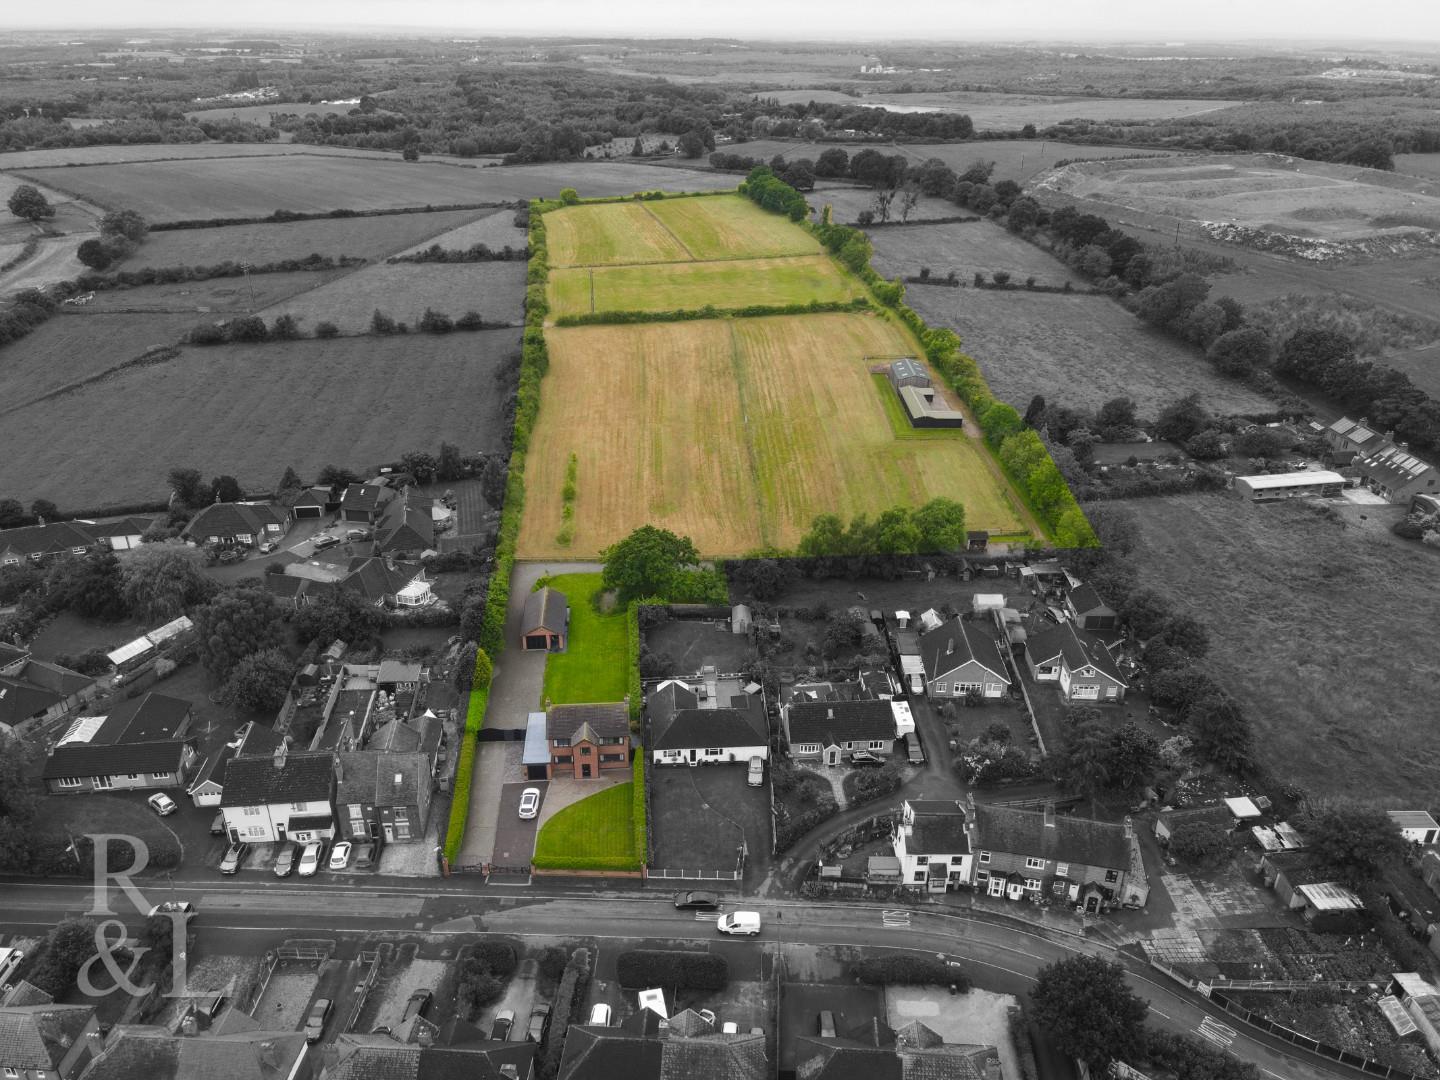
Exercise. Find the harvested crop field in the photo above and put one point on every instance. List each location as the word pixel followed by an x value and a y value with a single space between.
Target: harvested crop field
pixel 730 227
pixel 365 238
pixel 1079 351
pixel 745 448
pixel 608 235
pixel 966 248
pixel 848 203
pixel 222 295
pixel 404 290
pixel 1332 701
pixel 495 230
pixel 250 411
pixel 673 286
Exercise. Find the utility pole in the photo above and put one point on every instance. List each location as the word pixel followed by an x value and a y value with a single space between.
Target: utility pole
pixel 245 269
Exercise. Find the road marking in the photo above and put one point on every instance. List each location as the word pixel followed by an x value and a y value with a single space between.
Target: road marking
pixel 1217 1032
pixel 895 919
pixel 706 916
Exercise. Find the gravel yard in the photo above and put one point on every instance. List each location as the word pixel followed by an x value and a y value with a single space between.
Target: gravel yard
pixel 282 1006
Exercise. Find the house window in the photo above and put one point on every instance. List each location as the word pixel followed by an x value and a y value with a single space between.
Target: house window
pixel 402 830
pixel 1058 888
pixel 357 812
pixel 922 860
pixel 807 748
pixel 402 813
pixel 714 750
pixel 1112 876
pixel 558 760
pixel 1032 863
pixel 560 742
pixel 584 751
pixel 251 811
pixel 67 781
pixel 877 744
pixel 940 687
pixel 132 776
pixel 1046 670
pixel 612 757
pixel 982 876
pixel 962 688
pixel 957 860
pixel 103 782
pixel 1032 884
pixel 159 776
pixel 919 876
pixel 984 856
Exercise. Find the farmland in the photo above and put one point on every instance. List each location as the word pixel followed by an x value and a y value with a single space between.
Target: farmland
pixel 114 154
pixel 1076 350
pixel 672 286
pixel 496 230
pixel 1332 705
pixel 222 295
pixel 403 291
pixel 742 451
pixel 966 248
pixel 252 410
pixel 1011 111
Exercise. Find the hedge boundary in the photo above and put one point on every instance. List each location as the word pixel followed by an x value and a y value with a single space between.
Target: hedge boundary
pixel 280 217
pixel 674 969
pixel 475 705
pixel 710 311
pixel 637 808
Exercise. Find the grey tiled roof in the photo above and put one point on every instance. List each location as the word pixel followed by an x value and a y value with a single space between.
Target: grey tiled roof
pixel 545 609
pixel 955 643
pixel 1070 839
pixel 39 1036
pixel 607 719
pixel 255 781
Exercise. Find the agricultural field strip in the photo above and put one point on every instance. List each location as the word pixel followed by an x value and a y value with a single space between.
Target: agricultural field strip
pixel 742 394
pixel 661 222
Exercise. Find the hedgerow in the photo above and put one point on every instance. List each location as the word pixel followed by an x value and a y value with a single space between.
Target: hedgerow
pixel 465 767
pixel 710 311
pixel 902 970
pixel 568 994
pixel 637 811
pixel 640 968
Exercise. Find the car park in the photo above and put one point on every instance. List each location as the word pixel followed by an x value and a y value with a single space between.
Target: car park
pixel 418 1005
pixel 529 803
pixel 539 1023
pixel 600 1014
pixel 310 858
pixel 162 804
pixel 217 823
pixel 504 1021
pixel 739 923
pixel 285 860
pixel 234 857
pixel 315 1022
pixel 340 855
pixel 697 900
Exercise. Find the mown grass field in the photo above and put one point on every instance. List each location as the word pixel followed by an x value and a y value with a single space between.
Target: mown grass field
pixel 1332 697
pixel 736 433
pixel 597 827
pixel 670 230
pixel 249 411
pixel 673 286
pixel 592 667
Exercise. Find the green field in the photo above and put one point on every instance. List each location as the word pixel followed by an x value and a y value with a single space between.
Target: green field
pixel 595 828
pixel 592 668
pixel 729 283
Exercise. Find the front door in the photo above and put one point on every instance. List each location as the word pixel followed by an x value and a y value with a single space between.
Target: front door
pixel 832 755
pixel 584 772
pixel 280 833
pixel 693 752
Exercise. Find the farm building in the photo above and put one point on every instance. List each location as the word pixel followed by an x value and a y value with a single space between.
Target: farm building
pixel 908 371
pixel 926 409
pixel 1397 474
pixel 1417 826
pixel 1300 485
pixel 546 622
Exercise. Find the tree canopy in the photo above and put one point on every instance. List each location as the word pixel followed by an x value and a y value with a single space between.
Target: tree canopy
pixel 647 563
pixel 162 581
pixel 1352 840
pixel 1084 1005
pixel 27 202
pixel 234 625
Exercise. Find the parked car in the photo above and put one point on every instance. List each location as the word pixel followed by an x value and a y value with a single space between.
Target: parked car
pixel 418 1005
pixel 310 858
pixel 539 1023
pixel 529 803
pixel 600 1015
pixel 696 900
pixel 826 1025
pixel 234 857
pixel 268 546
pixel 367 855
pixel 741 923
pixel 285 861
pixel 315 1022
pixel 340 855
pixel 217 823
pixel 357 534
pixel 865 757
pixel 162 804
pixel 321 541
pixel 172 905
pixel 10 961
pixel 504 1021
pixel 208 1005
pixel 756 776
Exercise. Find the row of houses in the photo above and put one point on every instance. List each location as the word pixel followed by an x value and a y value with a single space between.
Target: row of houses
pixel 48 540
pixel 1384 466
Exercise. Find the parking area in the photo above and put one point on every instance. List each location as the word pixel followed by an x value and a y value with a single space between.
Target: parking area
pixel 402 973
pixel 515 836
pixel 701 817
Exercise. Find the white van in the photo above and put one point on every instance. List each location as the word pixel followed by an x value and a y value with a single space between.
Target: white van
pixel 744 923
pixel 10 961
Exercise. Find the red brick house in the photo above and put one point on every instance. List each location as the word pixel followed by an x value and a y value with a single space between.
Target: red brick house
pixel 585 740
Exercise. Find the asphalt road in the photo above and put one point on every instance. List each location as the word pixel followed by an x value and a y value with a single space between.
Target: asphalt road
pixel 1005 958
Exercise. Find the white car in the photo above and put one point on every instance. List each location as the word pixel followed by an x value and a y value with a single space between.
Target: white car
pixel 600 1014
pixel 340 855
pixel 162 804
pixel 310 858
pixel 529 803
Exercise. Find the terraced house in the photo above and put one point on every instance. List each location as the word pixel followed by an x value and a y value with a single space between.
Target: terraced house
pixel 285 796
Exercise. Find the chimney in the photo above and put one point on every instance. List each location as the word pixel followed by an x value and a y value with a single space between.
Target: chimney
pixel 281 751
pixel 1129 828
pixel 949 646
pixel 424 1035
pixel 1049 815
pixel 339 770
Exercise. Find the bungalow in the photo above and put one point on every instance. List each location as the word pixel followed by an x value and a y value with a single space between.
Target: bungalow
pixel 48 1042
pixel 1078 661
pixel 121 534
pixel 545 625
pixel 33 692
pixel 238 524
pixel 385 583
pixel 877 1052
pixel 379 794
pixel 139 744
pixel 645 1046
pixel 1021 854
pixel 932 845
pixel 1417 826
pixel 1397 474
pixel 1088 610
pixel 960 659
pixel 364 503
pixel 824 730
pixel 684 733
pixel 586 740
pixel 285 796
pixel 403 528
pixel 37 543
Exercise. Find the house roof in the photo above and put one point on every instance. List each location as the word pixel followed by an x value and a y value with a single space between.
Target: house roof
pixel 1412 819
pixel 53 677
pixel 258 740
pixel 606 720
pixel 828 722
pixel 39 1036
pixel 1214 814
pixel 953 644
pixel 213 771
pixel 399 736
pixel 9 654
pixel 257 781
pixel 688 1048
pixel 1295 479
pixel 1079 648
pixel 49 539
pixel 938 833
pixel 366 497
pixel 545 610
pixel 374 579
pixel 234 519
pixel 669 698
pixel 313 496
pixel 126 526
pixel 19 701
pixel 155 1053
pixel 1070 839
pixel 907 367
pixel 844 1059
pixel 1395 465
pixel 113 759
pixel 699 728
pixel 150 716
pixel 379 779
pixel 403 527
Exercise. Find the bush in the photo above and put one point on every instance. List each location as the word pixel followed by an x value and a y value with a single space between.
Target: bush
pixel 464 772
pixel 326 329
pixel 902 970
pixel 498 956
pixel 206 334
pixel 867 785
pixel 639 969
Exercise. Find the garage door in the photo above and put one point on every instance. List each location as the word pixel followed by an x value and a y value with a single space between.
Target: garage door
pixel 537 641
pixel 308 511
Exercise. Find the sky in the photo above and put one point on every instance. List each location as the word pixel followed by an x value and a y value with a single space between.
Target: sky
pixel 1410 21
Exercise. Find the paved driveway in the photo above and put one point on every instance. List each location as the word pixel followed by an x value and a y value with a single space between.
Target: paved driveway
pixel 514 837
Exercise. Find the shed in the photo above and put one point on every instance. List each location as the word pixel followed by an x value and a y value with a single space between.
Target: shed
pixel 882 870
pixel 740 619
pixel 1243 808
pixel 908 371
pixel 545 625
pixel 1417 826
pixel 1312 482
pixel 983 602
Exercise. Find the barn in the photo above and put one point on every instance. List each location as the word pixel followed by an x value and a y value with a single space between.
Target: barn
pixel 908 371
pixel 927 410
pixel 1297 485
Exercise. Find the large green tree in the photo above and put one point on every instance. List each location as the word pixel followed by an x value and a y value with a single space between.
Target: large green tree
pixel 234 625
pixel 1089 1012
pixel 260 681
pixel 941 523
pixel 89 585
pixel 18 805
pixel 646 562
pixel 27 202
pixel 1351 839
pixel 1220 730
pixel 342 615
pixel 162 581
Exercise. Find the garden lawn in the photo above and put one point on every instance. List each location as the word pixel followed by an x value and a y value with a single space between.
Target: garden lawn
pixel 730 283
pixel 594 833
pixel 593 667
